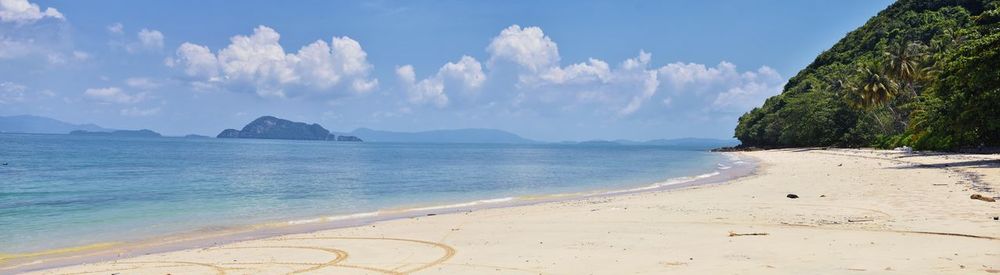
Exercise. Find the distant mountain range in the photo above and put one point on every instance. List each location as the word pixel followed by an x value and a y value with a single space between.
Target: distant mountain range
pixel 145 133
pixel 43 125
pixel 276 128
pixel 442 136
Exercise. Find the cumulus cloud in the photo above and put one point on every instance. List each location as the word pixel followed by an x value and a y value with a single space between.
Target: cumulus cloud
pixel 622 89
pixel 150 39
pixel 26 30
pixel 146 40
pixel 113 95
pixel 528 47
pixel 198 61
pixel 23 12
pixel 619 90
pixel 750 90
pixel 116 28
pixel 259 63
pixel 467 74
pixel 541 79
pixel 425 91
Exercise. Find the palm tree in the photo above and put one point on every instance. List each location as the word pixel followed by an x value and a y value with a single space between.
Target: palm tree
pixel 904 62
pixel 872 88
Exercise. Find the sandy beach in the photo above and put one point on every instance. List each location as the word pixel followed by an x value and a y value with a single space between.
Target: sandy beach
pixel 857 211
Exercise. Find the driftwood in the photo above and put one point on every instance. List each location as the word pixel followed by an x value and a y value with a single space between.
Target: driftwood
pixel 734 234
pixel 982 198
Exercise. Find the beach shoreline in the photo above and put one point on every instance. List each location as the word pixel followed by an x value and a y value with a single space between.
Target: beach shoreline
pixel 736 167
pixel 855 210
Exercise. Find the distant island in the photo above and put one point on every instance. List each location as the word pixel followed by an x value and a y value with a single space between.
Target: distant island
pixel 118 133
pixel 442 136
pixel 269 127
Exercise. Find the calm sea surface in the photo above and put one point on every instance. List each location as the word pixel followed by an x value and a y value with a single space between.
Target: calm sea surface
pixel 62 190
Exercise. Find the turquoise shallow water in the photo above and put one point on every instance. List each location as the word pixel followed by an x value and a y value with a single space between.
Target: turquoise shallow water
pixel 62 190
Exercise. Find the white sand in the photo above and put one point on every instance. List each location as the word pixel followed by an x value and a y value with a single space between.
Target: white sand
pixel 858 211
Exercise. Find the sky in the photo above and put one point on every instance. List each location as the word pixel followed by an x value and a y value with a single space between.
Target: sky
pixel 546 70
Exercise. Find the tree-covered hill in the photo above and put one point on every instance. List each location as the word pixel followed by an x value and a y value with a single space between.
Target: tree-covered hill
pixel 920 73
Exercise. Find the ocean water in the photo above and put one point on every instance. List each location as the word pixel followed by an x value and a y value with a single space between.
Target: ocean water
pixel 61 190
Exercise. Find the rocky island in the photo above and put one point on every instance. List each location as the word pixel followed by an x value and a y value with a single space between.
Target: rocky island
pixel 269 127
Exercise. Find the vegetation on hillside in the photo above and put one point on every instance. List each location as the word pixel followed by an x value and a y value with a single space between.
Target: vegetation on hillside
pixel 920 73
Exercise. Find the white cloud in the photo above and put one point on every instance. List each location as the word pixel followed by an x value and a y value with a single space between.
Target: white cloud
pixel 11 48
pixel 81 55
pixel 636 70
pixel 142 83
pixel 751 89
pixel 594 70
pixel 527 47
pixel 113 95
pixel 146 40
pixel 24 12
pixel 56 58
pixel 467 74
pixel 426 91
pixel 59 58
pixel 11 92
pixel 150 38
pixel 28 31
pixel 618 91
pixel 684 74
pixel 198 61
pixel 468 71
pixel 623 89
pixel 116 28
pixel 137 112
pixel 258 62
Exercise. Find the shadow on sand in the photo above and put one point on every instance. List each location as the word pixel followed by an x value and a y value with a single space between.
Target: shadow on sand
pixel 991 163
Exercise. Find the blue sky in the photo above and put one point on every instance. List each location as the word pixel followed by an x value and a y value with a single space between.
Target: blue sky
pixel 548 70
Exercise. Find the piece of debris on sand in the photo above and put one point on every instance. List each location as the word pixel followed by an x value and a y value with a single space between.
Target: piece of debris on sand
pixel 982 198
pixel 734 234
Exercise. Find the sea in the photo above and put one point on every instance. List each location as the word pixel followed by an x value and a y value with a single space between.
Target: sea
pixel 59 191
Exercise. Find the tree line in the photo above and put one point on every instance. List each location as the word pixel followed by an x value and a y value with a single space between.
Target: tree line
pixel 924 74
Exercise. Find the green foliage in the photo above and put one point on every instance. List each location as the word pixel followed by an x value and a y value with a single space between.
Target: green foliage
pixel 921 73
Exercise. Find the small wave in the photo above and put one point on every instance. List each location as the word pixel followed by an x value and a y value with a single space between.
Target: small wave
pixel 669 182
pixel 336 218
pixel 657 185
pixel 464 204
